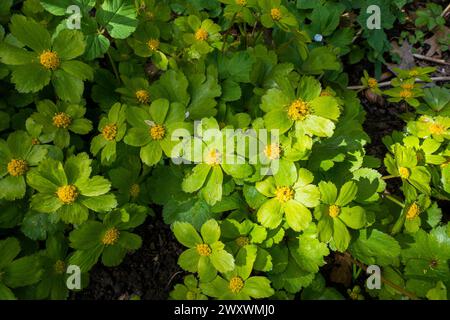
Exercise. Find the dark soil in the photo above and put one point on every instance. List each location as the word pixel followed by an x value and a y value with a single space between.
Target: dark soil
pixel 149 273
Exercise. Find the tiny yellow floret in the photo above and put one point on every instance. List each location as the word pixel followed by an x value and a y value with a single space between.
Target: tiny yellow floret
pixel 275 13
pixel 143 96
pixel 109 132
pixel 204 250
pixel 111 236
pixel 157 132
pixel 236 284
pixel 62 120
pixel 298 110
pixel 67 194
pixel 272 151
pixel 49 60
pixel 284 194
pixel 242 241
pixel 135 190
pixel 17 167
pixel 153 44
pixel 403 172
pixel 333 211
pixel 213 158
pixel 201 34
pixel 413 211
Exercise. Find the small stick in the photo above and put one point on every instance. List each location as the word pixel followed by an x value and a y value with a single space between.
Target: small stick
pixel 445 11
pixel 388 83
pixel 398 288
pixel 422 57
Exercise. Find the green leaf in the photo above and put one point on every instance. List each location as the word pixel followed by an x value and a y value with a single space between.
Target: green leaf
pixel 222 260
pixel 9 249
pixel 30 33
pixel 194 181
pixel 341 236
pixel 347 193
pixel 297 215
pixel 94 187
pixel 22 272
pixel 270 214
pixel 258 287
pixel 118 17
pixel 354 217
pixel 67 87
pixel 69 44
pixel 151 153
pixel 212 192
pixel 113 256
pixel 438 293
pixel 186 234
pixel 210 231
pixel 375 247
pixel 103 203
pixel 30 78
pixel 12 188
pixel 189 259
pixel 88 235
pixel 309 252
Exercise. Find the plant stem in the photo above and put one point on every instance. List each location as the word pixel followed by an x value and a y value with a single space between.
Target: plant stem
pixel 399 289
pixel 388 83
pixel 113 64
pixel 388 177
pixel 228 32
pixel 393 199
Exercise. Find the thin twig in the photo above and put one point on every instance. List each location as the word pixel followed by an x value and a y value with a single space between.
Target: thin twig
pixel 445 11
pixel 400 289
pixel 422 57
pixel 388 83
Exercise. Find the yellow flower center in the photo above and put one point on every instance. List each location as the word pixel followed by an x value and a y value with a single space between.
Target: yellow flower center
pixel 49 60
pixel 284 194
pixel 437 129
pixel 445 164
pixel 67 194
pixel 60 267
pixel 413 211
pixel 413 73
pixel 213 158
pixel 236 284
pixel 334 211
pixel 157 132
pixel 272 151
pixel 109 132
pixel 242 241
pixel 190 295
pixel 407 86
pixel 276 14
pixel 62 120
pixel 405 94
pixel 150 15
pixel 135 190
pixel 241 2
pixel 35 141
pixel 204 250
pixel 298 110
pixel 17 167
pixel 111 236
pixel 153 44
pixel 403 172
pixel 326 93
pixel 201 34
pixel 373 83
pixel 143 96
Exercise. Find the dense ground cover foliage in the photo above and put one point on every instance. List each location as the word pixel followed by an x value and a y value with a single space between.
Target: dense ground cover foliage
pixel 105 115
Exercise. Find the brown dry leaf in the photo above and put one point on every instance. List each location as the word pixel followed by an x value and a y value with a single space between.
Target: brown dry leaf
pixel 405 52
pixel 433 42
pixel 342 271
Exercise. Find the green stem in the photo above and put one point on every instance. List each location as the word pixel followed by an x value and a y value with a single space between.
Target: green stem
pixel 113 64
pixel 228 32
pixel 388 177
pixel 395 200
